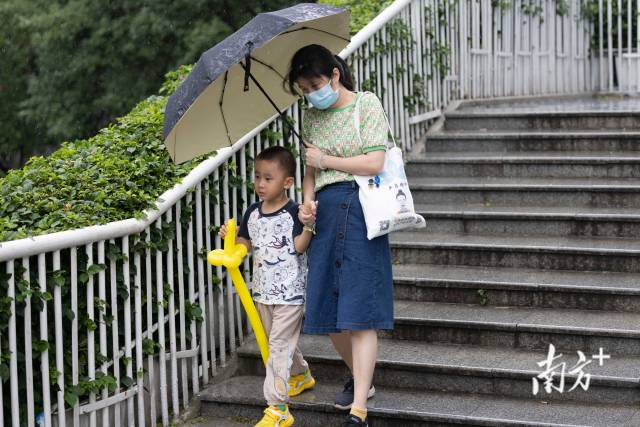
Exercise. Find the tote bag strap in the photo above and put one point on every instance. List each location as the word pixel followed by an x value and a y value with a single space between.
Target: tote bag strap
pixel 356 119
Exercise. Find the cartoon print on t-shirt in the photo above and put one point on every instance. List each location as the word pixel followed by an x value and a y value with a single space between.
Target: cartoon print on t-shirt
pixel 278 243
pixel 279 271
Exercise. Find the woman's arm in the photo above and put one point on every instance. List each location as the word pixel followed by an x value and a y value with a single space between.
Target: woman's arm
pixel 307 211
pixel 370 163
pixel 309 184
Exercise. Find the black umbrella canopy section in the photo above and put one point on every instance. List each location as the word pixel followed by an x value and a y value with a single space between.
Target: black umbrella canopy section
pixel 236 85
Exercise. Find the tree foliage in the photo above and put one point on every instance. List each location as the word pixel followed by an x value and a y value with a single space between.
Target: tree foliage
pixel 16 134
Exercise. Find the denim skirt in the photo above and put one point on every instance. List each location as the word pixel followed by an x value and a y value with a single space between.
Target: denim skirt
pixel 349 282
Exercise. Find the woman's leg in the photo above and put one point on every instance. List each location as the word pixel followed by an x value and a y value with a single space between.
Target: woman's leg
pixel 342 343
pixel 364 345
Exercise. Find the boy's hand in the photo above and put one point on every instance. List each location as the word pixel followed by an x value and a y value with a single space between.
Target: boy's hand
pixel 223 230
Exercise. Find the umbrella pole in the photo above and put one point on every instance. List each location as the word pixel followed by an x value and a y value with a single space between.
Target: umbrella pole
pixel 281 113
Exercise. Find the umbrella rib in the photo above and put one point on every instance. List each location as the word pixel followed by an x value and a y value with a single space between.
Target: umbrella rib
pixel 268 66
pixel 224 120
pixel 316 29
pixel 281 113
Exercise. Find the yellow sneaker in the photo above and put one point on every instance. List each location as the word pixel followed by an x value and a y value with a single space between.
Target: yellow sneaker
pixel 300 383
pixel 274 417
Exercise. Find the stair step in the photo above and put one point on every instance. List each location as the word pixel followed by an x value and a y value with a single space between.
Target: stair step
pixel 527 157
pixel 525 164
pixel 592 192
pixel 542 120
pixel 591 103
pixel 518 287
pixel 407 408
pixel 465 369
pixel 528 220
pixel 517 327
pixel 620 247
pixel 539 252
pixel 532 141
pixel 231 421
pixel 534 212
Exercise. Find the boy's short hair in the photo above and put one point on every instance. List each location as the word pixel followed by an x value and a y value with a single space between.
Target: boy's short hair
pixel 282 156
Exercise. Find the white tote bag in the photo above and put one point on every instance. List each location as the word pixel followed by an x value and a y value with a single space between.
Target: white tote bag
pixel 385 198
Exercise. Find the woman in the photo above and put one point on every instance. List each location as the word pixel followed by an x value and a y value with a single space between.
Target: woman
pixel 349 285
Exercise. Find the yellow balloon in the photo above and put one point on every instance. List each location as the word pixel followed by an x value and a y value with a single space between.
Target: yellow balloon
pixel 231 257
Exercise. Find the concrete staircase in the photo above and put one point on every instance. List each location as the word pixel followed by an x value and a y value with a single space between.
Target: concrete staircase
pixel 533 214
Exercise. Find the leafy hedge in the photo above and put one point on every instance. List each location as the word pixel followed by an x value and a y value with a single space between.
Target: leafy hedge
pixel 114 175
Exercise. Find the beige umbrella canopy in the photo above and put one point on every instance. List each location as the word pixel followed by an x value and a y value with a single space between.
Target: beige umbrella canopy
pixel 238 84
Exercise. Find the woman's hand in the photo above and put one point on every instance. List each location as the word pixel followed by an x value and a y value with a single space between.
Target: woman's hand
pixel 313 156
pixel 370 163
pixel 307 213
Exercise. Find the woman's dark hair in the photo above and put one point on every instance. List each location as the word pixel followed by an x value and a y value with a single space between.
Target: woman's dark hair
pixel 314 61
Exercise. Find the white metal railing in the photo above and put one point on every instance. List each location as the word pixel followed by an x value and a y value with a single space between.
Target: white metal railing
pixel 100 299
pixel 535 47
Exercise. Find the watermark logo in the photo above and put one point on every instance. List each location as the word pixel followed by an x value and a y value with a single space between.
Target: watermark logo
pixel 556 371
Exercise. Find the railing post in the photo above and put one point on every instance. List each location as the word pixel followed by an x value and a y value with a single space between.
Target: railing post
pixel 172 325
pixel 28 351
pixel 162 362
pixel 13 343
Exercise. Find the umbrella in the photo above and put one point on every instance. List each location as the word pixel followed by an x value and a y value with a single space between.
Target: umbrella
pixel 237 84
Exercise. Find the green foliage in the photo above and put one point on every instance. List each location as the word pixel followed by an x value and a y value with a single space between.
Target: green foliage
pixel 193 312
pixel 562 7
pixel 114 175
pixel 362 11
pixel 18 137
pixel 590 13
pixel 501 4
pixel 531 8
pixel 150 347
pixel 482 295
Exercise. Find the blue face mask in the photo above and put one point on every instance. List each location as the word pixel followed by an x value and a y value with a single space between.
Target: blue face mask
pixel 324 97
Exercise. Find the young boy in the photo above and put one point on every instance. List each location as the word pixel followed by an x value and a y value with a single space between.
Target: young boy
pixel 271 229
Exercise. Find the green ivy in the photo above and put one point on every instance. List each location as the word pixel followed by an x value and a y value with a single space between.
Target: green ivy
pixel 532 9
pixel 193 312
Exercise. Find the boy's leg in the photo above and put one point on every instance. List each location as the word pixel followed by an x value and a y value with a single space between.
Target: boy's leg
pixel 266 316
pixel 299 365
pixel 277 413
pixel 285 322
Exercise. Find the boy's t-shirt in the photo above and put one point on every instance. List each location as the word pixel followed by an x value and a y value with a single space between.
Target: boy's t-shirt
pixel 279 272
